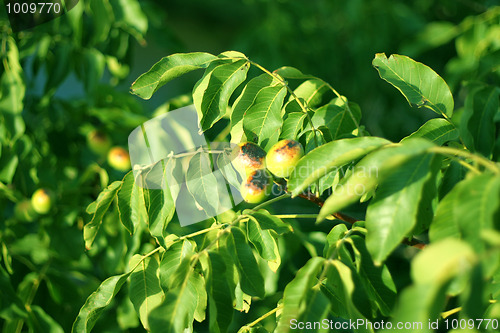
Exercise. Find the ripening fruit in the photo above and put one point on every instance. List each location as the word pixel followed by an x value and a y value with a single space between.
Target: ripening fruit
pixel 24 212
pixel 119 159
pixel 249 157
pixel 41 201
pixel 257 187
pixel 283 157
pixel 98 142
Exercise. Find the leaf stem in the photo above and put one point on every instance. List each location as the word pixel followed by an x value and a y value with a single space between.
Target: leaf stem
pixel 478 159
pixel 268 202
pixel 264 316
pixel 297 216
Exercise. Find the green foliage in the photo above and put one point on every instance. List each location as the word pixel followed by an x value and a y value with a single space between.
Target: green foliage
pixel 424 242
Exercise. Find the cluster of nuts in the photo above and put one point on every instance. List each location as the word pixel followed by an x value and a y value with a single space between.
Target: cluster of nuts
pixel 258 166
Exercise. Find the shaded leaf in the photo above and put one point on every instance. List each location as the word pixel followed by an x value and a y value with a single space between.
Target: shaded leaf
pixel 475 199
pixel 265 242
pixel 251 280
pixel 296 291
pixel 100 208
pixel 477 124
pixel 393 212
pixel 220 294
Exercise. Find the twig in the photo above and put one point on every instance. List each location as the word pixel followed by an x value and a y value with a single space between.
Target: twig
pixel 346 218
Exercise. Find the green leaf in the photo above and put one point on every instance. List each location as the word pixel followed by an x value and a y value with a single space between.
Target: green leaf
pixel 100 208
pixel 342 288
pixel 333 236
pixel 393 212
pixel 419 84
pixel 245 101
pixel 160 208
pixel 201 183
pixel 288 72
pixel 131 16
pixel 169 68
pixel 340 118
pixel 224 80
pixel 265 242
pixel 442 261
pixel 220 294
pixel 228 170
pixel 131 204
pixel 437 130
pixel 477 124
pixel 269 222
pixel 377 280
pixel 317 308
pixel 251 280
pixel 296 291
pixel 11 306
pixel 102 17
pixel 369 172
pixel 311 91
pixel 419 304
pixel 475 199
pixel 177 311
pixel 263 120
pixel 96 303
pixel 329 157
pixel 171 260
pixel 292 125
pixel 40 321
pixel 144 289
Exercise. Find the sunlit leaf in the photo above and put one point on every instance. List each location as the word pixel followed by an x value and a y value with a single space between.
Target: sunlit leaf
pixel 244 102
pixel 131 204
pixel 97 302
pixel 168 68
pixel 144 289
pixel 437 130
pixel 263 120
pixel 419 84
pixel 369 172
pixel 329 157
pixel 224 79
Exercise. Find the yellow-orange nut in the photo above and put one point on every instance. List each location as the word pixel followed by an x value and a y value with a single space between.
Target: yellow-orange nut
pixel 249 157
pixel 41 201
pixel 257 186
pixel 119 159
pixel 283 157
pixel 98 142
